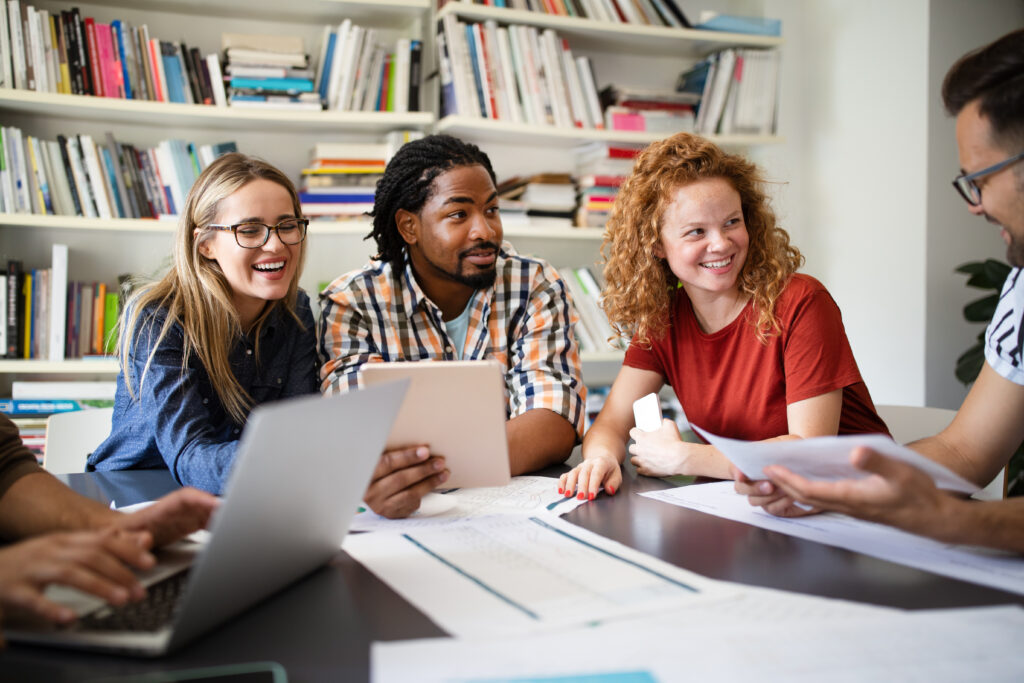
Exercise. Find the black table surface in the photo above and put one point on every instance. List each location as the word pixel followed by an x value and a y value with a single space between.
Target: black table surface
pixel 321 627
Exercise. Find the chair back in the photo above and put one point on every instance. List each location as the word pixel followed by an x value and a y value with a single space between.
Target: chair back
pixel 909 423
pixel 71 436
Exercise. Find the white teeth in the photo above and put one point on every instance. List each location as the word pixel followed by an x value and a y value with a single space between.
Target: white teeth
pixel 278 265
pixel 717 264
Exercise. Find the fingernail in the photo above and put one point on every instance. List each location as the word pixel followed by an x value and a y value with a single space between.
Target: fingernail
pixel 560 490
pixel 764 487
pixel 422 453
pixel 581 496
pixel 438 465
pixel 611 490
pixel 444 477
pixel 568 493
pixel 590 496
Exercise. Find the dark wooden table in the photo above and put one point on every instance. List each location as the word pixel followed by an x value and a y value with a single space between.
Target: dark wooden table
pixel 320 628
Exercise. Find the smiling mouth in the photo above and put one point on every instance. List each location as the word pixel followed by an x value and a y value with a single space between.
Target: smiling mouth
pixel 274 267
pixel 712 265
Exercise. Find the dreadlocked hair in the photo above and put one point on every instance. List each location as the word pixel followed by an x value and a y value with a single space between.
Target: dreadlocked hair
pixel 408 183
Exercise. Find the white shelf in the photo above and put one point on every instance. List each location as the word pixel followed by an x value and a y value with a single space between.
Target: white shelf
pixel 174 114
pixel 386 13
pixel 475 128
pixel 629 37
pixel 316 227
pixel 68 367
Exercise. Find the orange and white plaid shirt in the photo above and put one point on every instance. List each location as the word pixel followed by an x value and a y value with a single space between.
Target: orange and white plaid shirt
pixel 525 321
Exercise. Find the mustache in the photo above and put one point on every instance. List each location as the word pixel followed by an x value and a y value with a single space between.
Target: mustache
pixel 483 246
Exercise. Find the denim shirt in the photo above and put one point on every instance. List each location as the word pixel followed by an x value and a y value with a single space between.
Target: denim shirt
pixel 177 421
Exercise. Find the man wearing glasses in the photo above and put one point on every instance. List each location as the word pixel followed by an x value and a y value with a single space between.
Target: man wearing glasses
pixel 985 91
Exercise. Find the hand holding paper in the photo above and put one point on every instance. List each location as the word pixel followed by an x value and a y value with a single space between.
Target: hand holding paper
pixel 827 458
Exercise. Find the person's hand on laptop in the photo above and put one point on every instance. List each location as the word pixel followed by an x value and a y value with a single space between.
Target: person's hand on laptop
pixel 172 517
pixel 95 562
pixel 401 479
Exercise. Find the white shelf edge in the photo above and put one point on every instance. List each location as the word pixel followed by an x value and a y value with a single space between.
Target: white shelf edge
pixel 623 32
pixel 177 114
pixel 317 227
pixel 46 367
pixel 602 356
pixel 529 133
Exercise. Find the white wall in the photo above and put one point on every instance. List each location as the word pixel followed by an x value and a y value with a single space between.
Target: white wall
pixel 854 118
pixel 868 157
pixel 954 236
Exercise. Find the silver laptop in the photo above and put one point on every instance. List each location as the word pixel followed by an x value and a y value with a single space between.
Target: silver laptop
pixel 301 470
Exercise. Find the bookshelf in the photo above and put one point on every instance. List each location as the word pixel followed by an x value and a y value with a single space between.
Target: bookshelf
pixel 650 40
pixel 102 248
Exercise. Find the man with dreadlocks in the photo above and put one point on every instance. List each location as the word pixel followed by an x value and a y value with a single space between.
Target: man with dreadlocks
pixel 444 286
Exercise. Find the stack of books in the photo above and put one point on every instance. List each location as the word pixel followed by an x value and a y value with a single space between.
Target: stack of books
pixel 356 72
pixel 594 332
pixel 32 403
pixel 78 176
pixel 341 179
pixel 740 91
pixel 64 52
pixel 516 74
pixel 657 111
pixel 45 316
pixel 544 199
pixel 268 72
pixel 641 12
pixel 601 169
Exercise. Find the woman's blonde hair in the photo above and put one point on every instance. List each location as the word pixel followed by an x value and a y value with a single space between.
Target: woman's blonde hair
pixel 638 283
pixel 196 295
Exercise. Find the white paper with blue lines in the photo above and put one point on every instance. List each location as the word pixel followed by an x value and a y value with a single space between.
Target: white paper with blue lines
pixel 525 495
pixel 518 574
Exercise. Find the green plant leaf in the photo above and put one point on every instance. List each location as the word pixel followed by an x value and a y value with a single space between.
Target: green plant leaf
pixel 968 365
pixel 988 274
pixel 981 310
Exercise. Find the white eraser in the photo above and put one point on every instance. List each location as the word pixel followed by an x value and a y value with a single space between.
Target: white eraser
pixel 647 413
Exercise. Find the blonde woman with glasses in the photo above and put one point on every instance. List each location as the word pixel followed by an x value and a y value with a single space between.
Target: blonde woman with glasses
pixel 226 329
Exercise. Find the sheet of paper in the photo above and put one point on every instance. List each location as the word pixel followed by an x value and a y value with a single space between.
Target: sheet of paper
pixel 528 495
pixel 934 646
pixel 827 457
pixel 977 565
pixel 516 574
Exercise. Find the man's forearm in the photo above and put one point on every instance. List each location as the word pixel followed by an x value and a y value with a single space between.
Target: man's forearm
pixel 39 503
pixel 537 439
pixel 993 524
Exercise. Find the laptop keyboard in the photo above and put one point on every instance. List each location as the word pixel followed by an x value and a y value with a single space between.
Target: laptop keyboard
pixel 152 613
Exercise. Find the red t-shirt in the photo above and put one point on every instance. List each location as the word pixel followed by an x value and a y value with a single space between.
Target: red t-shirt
pixel 732 384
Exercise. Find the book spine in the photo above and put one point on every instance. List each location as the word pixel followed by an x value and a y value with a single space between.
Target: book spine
pixel 15 315
pixel 17 35
pixel 58 301
pixel 95 65
pixel 117 35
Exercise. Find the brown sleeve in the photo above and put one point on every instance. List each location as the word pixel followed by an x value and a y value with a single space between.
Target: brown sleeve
pixel 15 459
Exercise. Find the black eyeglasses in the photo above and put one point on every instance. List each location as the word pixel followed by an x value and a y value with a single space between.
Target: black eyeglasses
pixel 255 235
pixel 969 190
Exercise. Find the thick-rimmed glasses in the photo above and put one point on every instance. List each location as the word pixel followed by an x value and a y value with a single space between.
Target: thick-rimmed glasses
pixel 969 190
pixel 250 235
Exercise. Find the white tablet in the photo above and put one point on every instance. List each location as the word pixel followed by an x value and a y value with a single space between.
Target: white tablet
pixel 457 408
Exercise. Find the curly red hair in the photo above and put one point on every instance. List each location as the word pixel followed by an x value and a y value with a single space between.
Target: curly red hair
pixel 638 283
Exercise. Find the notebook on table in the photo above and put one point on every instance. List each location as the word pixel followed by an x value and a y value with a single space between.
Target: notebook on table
pixel 301 469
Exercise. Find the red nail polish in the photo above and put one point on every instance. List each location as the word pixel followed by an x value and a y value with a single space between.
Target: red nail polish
pixel 581 496
pixel 559 489
pixel 611 490
pixel 590 496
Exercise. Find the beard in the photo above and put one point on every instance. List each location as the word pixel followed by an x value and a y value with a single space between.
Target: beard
pixel 477 278
pixel 1015 252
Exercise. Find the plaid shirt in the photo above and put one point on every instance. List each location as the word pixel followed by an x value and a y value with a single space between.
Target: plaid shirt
pixel 525 321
